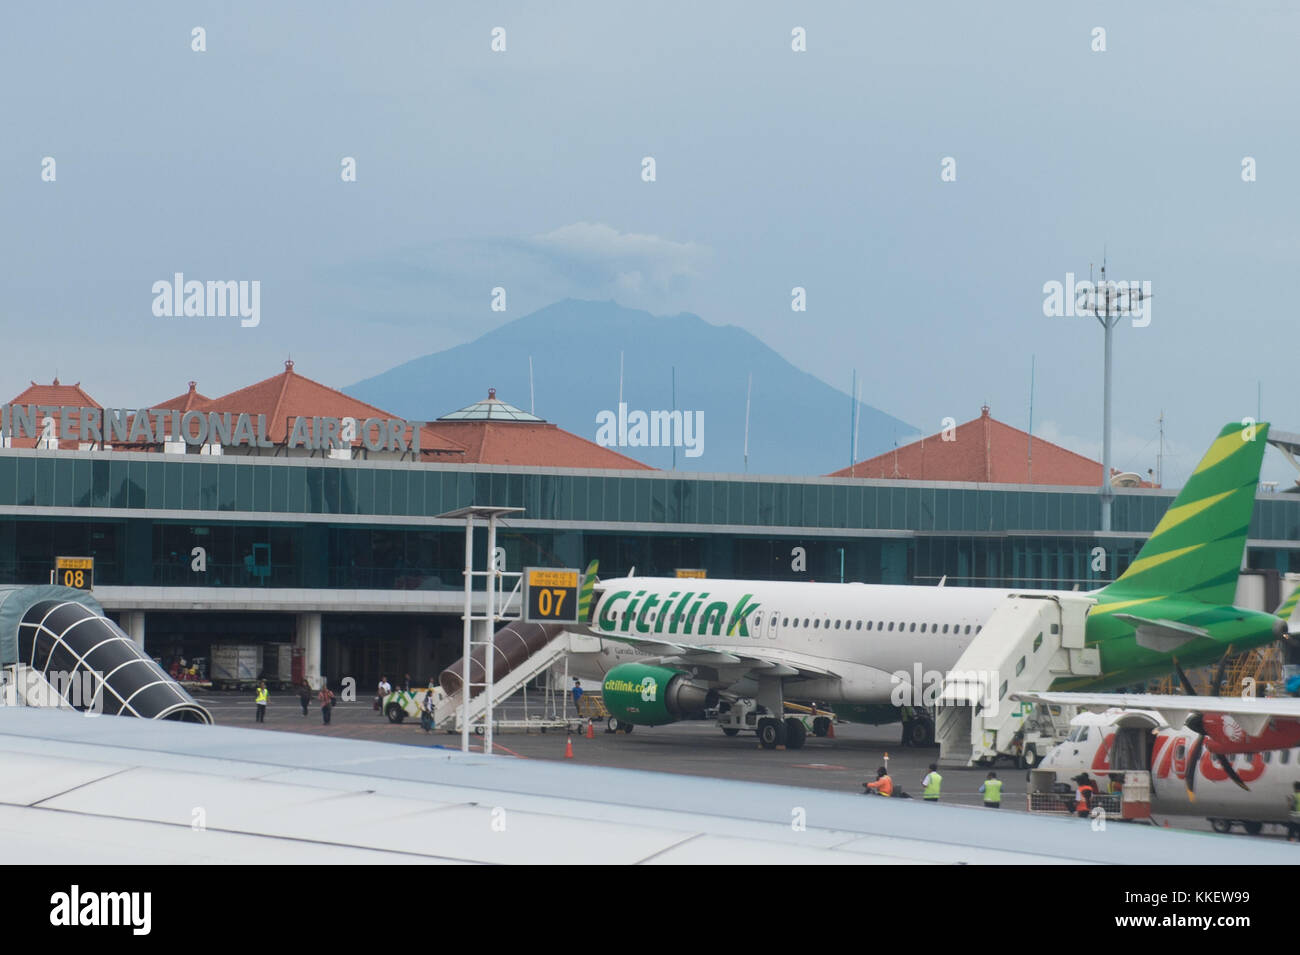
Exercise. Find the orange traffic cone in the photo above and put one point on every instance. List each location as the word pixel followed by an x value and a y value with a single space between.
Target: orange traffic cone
pixel 568 748
pixel 830 730
pixel 591 730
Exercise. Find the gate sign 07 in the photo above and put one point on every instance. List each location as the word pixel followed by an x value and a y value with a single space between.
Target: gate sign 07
pixel 75 572
pixel 550 595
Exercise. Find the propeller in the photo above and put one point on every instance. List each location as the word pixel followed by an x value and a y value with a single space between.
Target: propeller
pixel 1196 723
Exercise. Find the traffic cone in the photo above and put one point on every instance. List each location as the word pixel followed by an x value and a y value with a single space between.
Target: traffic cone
pixel 830 730
pixel 568 748
pixel 591 730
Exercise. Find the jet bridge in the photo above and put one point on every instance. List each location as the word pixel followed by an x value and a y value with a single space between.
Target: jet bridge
pixel 1029 642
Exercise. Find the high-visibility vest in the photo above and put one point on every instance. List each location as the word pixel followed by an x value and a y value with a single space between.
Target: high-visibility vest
pixel 884 786
pixel 261 694
pixel 1084 793
pixel 933 780
pixel 993 790
pixel 1295 804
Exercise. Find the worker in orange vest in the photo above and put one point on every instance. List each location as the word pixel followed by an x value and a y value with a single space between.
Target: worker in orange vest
pixel 883 786
pixel 1083 795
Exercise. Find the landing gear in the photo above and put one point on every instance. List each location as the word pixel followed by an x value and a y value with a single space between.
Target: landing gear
pixel 795 733
pixel 615 725
pixel 1222 826
pixel 919 730
pixel 771 732
pixel 1029 758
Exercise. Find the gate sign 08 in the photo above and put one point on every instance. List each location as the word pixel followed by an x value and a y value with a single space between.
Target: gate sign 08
pixel 550 595
pixel 75 572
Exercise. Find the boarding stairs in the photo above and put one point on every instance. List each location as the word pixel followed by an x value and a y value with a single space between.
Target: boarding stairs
pixel 448 712
pixel 1029 642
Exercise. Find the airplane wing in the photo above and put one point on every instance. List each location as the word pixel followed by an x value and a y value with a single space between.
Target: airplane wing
pixel 760 660
pixel 1253 713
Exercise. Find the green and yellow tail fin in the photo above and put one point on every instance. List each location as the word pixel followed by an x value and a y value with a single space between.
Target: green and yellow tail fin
pixel 1195 551
pixel 585 590
pixel 1288 605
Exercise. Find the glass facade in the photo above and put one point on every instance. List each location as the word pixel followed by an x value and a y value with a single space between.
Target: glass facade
pixel 266 523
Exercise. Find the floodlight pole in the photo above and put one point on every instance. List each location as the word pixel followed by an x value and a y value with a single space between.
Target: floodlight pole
pixel 1108 323
pixel 468 635
pixel 490 648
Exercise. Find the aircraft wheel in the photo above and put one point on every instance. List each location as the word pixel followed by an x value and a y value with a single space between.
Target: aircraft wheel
pixel 627 727
pixel 1253 828
pixel 771 732
pixel 1029 758
pixel 920 733
pixel 612 725
pixel 1221 825
pixel 821 726
pixel 395 713
pixel 795 733
pixel 730 730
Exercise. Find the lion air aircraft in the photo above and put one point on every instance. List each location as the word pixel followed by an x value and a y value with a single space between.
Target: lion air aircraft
pixel 1230 760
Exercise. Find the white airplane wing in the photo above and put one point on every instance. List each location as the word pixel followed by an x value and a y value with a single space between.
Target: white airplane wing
pixel 764 660
pixel 1251 712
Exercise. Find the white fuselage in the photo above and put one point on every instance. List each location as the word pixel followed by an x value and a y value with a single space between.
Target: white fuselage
pixel 1271 775
pixel 863 633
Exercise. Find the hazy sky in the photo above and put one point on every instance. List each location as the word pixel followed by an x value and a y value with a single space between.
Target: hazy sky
pixel 775 169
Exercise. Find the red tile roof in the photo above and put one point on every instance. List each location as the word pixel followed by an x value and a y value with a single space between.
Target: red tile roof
pixel 983 450
pixel 538 444
pixel 190 401
pixel 288 395
pixel 57 395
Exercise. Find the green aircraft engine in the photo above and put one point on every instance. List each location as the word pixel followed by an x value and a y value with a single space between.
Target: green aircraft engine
pixel 647 695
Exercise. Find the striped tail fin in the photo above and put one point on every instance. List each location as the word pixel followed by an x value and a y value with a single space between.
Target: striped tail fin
pixel 1288 605
pixel 1195 551
pixel 585 590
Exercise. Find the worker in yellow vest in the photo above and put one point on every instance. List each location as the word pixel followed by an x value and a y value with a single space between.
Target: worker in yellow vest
pixel 932 781
pixel 262 697
pixel 992 790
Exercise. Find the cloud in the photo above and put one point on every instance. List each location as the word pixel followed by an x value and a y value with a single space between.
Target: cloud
pixel 626 260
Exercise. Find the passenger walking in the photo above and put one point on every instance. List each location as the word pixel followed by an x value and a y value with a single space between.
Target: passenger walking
pixel 304 695
pixel 426 713
pixel 326 697
pixel 883 785
pixel 382 690
pixel 932 781
pixel 992 790
pixel 262 697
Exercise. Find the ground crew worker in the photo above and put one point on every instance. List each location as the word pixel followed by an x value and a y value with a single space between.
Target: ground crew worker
pixel 883 786
pixel 1293 827
pixel 262 697
pixel 1083 795
pixel 577 696
pixel 932 781
pixel 992 790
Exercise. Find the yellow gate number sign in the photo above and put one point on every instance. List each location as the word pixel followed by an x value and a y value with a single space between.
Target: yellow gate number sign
pixel 75 572
pixel 550 595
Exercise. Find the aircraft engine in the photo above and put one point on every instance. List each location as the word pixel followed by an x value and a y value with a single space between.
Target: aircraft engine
pixel 645 695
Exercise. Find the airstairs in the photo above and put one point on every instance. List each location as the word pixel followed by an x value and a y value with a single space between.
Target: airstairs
pixel 1030 641
pixel 448 712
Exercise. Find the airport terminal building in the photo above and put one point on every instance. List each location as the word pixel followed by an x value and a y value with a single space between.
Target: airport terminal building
pixel 264 532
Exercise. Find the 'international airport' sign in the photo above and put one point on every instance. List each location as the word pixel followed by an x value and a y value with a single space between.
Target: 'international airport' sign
pixel 126 426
